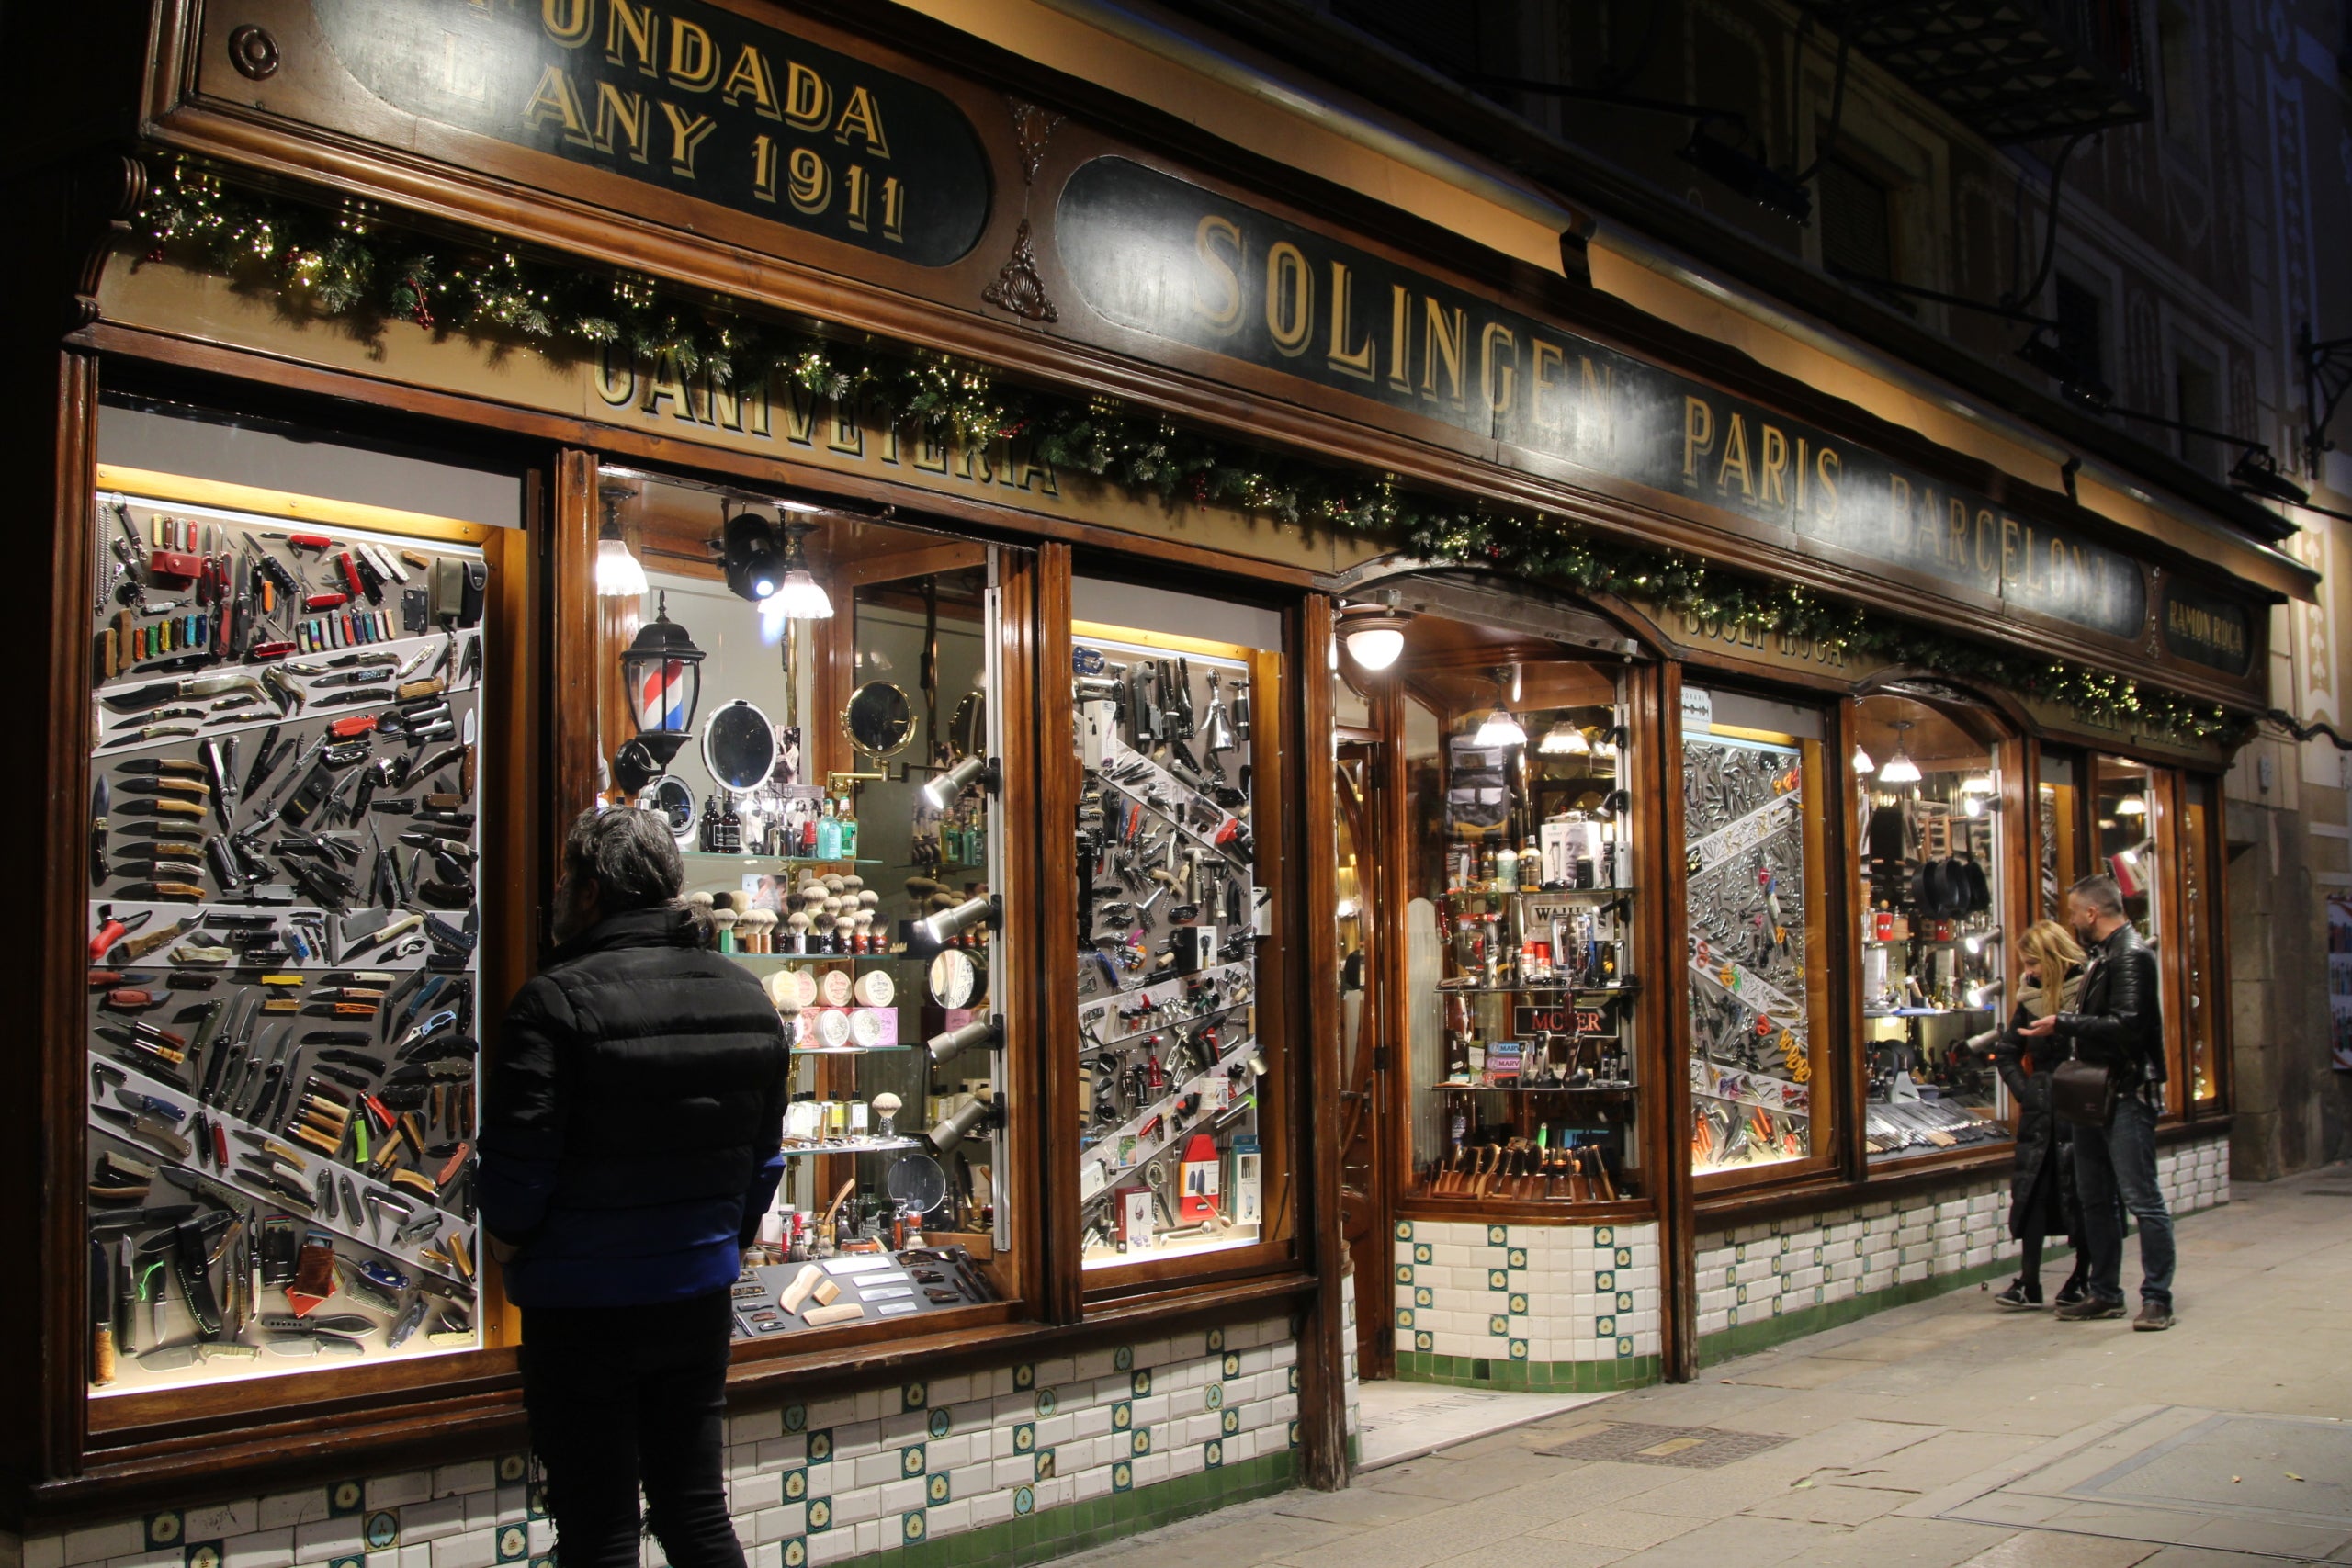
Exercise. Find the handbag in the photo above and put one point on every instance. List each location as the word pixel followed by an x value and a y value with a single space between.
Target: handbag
pixel 2082 1092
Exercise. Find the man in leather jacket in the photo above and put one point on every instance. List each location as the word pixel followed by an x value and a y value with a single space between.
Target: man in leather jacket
pixel 2119 1027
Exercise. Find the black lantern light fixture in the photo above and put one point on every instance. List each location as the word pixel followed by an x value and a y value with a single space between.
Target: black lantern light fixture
pixel 663 672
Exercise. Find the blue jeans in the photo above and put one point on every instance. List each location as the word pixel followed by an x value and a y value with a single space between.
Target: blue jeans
pixel 2120 1161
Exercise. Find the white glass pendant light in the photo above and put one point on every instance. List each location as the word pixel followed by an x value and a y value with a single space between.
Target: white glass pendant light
pixel 1500 728
pixel 1900 769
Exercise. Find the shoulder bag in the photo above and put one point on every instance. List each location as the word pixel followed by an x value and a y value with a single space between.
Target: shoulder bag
pixel 2082 1092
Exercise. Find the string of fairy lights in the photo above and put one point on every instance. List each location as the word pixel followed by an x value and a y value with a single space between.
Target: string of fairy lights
pixel 356 262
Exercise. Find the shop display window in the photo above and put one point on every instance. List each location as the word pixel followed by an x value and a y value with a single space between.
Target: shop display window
pixel 1521 968
pixel 1752 814
pixel 2200 920
pixel 809 696
pixel 285 864
pixel 2125 820
pixel 1177 1053
pixel 1933 958
pixel 2058 800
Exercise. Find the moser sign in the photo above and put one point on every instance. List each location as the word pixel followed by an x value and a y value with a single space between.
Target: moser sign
pixel 689 97
pixel 1160 255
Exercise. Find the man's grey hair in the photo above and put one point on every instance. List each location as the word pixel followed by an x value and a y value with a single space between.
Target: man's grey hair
pixel 631 855
pixel 2102 893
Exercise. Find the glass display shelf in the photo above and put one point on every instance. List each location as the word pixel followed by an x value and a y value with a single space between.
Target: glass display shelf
pixel 850 1147
pixel 853 1050
pixel 1926 1012
pixel 1530 1089
pixel 781 960
pixel 1591 895
pixel 711 857
pixel 1623 988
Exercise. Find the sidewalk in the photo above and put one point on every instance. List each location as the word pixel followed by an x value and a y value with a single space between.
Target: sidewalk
pixel 1940 1434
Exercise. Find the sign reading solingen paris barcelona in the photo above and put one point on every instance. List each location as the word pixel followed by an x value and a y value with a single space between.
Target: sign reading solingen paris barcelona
pixel 1161 255
pixel 689 97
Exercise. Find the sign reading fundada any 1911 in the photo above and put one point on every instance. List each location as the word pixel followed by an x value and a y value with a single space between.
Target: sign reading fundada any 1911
pixel 1160 255
pixel 690 98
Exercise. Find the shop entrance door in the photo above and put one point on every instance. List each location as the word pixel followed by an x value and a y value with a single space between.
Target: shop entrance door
pixel 1365 1183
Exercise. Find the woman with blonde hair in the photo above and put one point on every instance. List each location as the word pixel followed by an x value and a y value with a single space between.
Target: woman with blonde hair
pixel 2042 1181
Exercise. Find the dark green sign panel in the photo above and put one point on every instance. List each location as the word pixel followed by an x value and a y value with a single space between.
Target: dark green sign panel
pixel 1160 255
pixel 2208 629
pixel 691 99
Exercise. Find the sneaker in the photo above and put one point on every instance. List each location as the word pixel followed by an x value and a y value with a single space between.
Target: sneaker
pixel 2155 1317
pixel 2020 1297
pixel 2088 1309
pixel 2068 1293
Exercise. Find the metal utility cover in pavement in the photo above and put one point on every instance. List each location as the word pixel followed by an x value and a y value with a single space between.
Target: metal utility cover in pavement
pixel 2271 1485
pixel 1688 1448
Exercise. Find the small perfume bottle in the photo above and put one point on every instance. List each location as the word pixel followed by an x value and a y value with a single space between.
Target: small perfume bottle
pixel 848 818
pixel 829 834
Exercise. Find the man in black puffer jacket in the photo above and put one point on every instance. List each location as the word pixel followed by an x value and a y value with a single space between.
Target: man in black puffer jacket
pixel 2119 1025
pixel 630 1139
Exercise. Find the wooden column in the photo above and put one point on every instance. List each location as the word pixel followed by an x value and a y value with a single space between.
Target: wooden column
pixel 1325 1338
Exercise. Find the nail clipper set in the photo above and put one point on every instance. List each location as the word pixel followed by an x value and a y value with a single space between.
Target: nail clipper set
pixel 284 918
pixel 1168 922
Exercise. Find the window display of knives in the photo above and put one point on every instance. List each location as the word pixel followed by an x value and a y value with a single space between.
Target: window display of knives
pixel 283 925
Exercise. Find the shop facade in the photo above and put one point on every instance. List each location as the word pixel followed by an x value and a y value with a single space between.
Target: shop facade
pixel 1318 804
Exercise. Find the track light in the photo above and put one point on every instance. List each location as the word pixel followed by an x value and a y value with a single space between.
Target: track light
pixel 1976 942
pixel 954 1129
pixel 981 1034
pixel 2078 383
pixel 619 573
pixel 945 926
pixel 948 788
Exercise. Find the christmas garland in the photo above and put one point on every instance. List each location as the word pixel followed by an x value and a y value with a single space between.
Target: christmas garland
pixel 346 263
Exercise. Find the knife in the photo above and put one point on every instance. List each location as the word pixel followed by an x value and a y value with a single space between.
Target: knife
pixel 138 947
pixel 168 785
pixel 148 1129
pixel 166 806
pixel 162 692
pixel 102 1307
pixel 99 835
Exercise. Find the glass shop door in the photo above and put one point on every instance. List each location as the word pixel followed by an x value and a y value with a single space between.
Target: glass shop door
pixel 1365 1053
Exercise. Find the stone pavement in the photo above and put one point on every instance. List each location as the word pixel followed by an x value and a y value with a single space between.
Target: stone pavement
pixel 1942 1434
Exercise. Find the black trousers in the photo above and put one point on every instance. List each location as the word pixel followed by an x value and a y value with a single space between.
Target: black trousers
pixel 623 1397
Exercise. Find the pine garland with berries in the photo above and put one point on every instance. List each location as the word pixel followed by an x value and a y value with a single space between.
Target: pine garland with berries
pixel 350 263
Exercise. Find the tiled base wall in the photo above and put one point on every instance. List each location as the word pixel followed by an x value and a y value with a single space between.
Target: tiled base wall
pixel 1352 1385
pixel 979 1471
pixel 1527 1306
pixel 1761 1284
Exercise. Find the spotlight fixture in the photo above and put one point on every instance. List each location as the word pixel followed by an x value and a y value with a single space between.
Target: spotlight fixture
pixel 2076 383
pixel 1900 769
pixel 1976 942
pixel 1564 739
pixel 948 788
pixel 2257 472
pixel 1606 742
pixel 2132 805
pixel 619 573
pixel 1864 765
pixel 954 1128
pixel 945 926
pixel 981 1035
pixel 1374 631
pixel 767 563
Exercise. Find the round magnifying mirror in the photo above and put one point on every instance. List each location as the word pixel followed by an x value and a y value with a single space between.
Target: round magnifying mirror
pixel 879 720
pixel 967 727
pixel 957 977
pixel 739 747
pixel 669 798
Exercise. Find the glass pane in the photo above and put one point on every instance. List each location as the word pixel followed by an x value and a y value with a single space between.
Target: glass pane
pixel 1172 1161
pixel 2199 876
pixel 1932 958
pixel 795 777
pixel 1752 805
pixel 2058 798
pixel 1519 957
pixel 282 1048
pixel 2126 828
